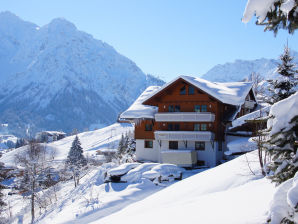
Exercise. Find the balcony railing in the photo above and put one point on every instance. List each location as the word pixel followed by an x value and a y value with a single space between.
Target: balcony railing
pixel 185 158
pixel 185 117
pixel 249 104
pixel 184 135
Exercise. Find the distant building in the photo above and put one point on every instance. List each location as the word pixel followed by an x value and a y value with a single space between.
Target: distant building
pixel 49 136
pixel 185 121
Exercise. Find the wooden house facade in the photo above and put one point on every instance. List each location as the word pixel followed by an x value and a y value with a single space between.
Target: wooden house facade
pixel 184 122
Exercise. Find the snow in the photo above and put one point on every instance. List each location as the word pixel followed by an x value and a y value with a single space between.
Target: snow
pixel 285 201
pixel 282 112
pixel 122 169
pixel 138 110
pixel 238 144
pixel 102 139
pixel 136 174
pixel 228 193
pixel 292 196
pixel 64 74
pixel 7 141
pixel 256 114
pixel 232 93
pixel 261 8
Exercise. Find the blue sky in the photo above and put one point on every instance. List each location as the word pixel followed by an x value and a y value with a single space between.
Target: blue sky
pixel 164 37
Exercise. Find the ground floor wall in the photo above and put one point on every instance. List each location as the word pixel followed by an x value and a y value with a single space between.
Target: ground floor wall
pixel 211 156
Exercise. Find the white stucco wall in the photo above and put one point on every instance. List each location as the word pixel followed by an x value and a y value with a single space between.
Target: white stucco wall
pixel 146 154
pixel 210 155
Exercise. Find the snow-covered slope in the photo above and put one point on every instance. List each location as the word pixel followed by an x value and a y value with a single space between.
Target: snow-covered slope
pixel 104 139
pixel 225 194
pixel 56 77
pixel 241 69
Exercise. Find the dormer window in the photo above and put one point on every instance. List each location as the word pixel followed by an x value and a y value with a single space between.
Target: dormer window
pixel 183 90
pixel 191 90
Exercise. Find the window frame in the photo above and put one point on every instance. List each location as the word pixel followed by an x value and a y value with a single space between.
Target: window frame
pixel 191 90
pixel 150 127
pixel 171 108
pixel 198 127
pixel 173 143
pixel 197 106
pixel 201 146
pixel 177 108
pixel 203 125
pixel 150 145
pixel 183 90
pixel 205 108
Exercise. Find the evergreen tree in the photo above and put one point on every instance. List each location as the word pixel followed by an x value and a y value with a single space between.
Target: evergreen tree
pixel 75 155
pixel 121 147
pixel 283 150
pixel 276 19
pixel 285 84
pixel 75 160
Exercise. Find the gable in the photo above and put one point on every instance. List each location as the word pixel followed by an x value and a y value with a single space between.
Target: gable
pixel 233 93
pixel 179 90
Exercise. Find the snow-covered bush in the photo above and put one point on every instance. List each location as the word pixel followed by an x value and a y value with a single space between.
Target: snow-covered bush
pixel 116 173
pixel 135 174
pixel 164 172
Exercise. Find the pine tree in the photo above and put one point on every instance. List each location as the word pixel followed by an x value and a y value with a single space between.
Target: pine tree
pixel 75 155
pixel 276 19
pixel 285 84
pixel 283 150
pixel 75 160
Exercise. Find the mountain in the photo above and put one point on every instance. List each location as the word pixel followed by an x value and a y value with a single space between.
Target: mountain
pixel 56 77
pixel 241 69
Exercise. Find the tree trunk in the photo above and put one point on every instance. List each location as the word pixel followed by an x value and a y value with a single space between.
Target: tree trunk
pixel 32 202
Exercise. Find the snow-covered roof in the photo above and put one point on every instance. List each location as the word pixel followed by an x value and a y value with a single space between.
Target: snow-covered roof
pixel 256 114
pixel 232 93
pixel 52 133
pixel 138 110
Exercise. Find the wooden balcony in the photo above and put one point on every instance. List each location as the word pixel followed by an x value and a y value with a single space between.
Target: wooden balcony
pixel 185 117
pixel 184 135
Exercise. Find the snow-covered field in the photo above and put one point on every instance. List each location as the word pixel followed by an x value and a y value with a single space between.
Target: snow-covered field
pixel 229 193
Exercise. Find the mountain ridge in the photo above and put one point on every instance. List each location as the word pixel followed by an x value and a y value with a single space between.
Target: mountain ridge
pixel 62 78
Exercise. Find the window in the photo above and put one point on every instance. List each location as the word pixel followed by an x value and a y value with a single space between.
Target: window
pixel 203 127
pixel 148 127
pixel 204 108
pixel 170 127
pixel 177 108
pixel 171 108
pixel 176 127
pixel 173 145
pixel 191 90
pixel 148 144
pixel 183 90
pixel 201 163
pixel 196 127
pixel 200 146
pixel 197 108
